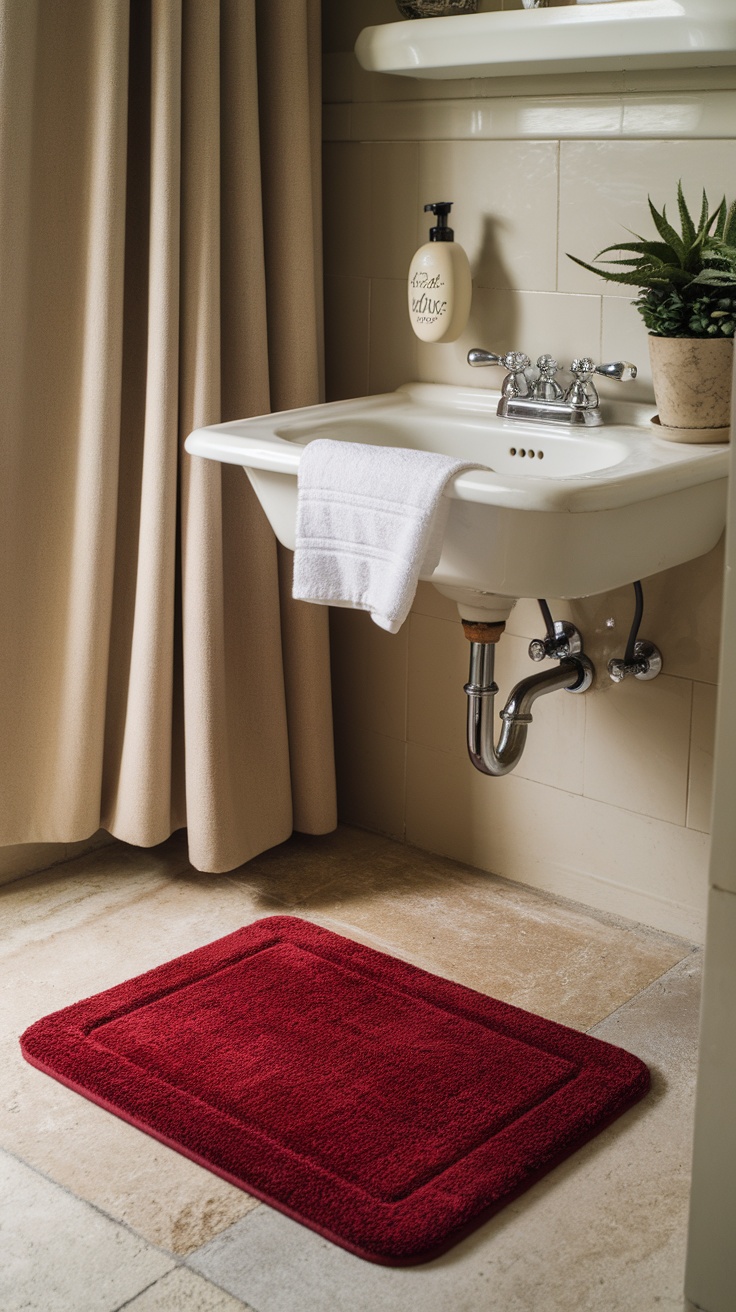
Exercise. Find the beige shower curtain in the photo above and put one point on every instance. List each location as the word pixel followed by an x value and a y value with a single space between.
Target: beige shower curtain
pixel 159 269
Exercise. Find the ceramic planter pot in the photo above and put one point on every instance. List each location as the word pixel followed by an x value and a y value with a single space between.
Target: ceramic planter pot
pixel 692 387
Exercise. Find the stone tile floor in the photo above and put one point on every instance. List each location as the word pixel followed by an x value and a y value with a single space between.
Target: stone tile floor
pixel 97 1217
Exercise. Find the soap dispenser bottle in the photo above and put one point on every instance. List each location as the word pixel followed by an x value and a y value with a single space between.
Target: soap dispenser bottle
pixel 440 285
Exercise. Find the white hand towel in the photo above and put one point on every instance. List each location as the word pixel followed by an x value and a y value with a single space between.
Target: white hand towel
pixel 370 519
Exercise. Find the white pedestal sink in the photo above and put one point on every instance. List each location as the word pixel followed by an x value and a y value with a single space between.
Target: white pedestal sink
pixel 561 513
pixel 628 34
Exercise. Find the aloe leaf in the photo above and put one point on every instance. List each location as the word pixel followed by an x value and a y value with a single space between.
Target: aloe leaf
pixel 720 220
pixel 633 279
pixel 647 249
pixel 714 278
pixel 667 232
pixel 688 227
pixel 716 221
pixel 729 232
pixel 703 213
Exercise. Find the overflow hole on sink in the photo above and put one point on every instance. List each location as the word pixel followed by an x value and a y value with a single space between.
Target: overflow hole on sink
pixel 522 451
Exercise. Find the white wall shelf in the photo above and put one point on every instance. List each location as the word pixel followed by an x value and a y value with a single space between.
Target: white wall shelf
pixel 628 34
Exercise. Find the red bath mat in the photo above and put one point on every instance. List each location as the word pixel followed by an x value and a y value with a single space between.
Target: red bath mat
pixel 388 1109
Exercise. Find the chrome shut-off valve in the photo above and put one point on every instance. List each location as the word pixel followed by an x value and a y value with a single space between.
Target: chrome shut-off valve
pixel 641 658
pixel 645 664
pixel 564 643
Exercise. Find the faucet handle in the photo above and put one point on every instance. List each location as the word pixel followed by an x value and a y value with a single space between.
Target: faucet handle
pixel 546 387
pixel 622 370
pixel 582 394
pixel 582 367
pixel 478 357
pixel 516 382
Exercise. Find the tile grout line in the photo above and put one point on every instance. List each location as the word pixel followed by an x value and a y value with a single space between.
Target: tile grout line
pixel 694 952
pixel 86 1202
pixel 140 1292
pixel 247 1307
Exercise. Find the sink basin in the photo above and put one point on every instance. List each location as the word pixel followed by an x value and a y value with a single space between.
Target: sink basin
pixel 629 34
pixel 559 513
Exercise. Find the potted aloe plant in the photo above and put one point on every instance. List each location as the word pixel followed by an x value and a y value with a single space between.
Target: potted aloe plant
pixel 687 299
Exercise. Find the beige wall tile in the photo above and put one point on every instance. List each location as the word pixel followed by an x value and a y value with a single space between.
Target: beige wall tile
pixel 546 108
pixel 347 336
pixel 21 858
pixel 24 858
pixel 679 79
pixel 550 84
pixel 604 187
pixel 700 786
pixel 505 213
pixel 370 781
pixel 346 174
pixel 428 601
pixel 378 87
pixel 679 113
pixel 636 746
pixel 682 616
pixel 526 620
pixel 625 337
pixel 369 674
pixel 337 78
pixel 614 860
pixel 393 345
pixel 394 208
pixel 336 123
pixel 341 22
pixel 529 118
pixel 534 322
pixel 438 670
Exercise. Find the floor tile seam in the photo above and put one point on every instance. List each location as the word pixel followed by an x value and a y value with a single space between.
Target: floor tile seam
pixel 380 944
pixel 129 1301
pixel 102 915
pixel 183 1266
pixel 133 864
pixel 91 895
pixel 530 892
pixel 176 1259
pixel 62 861
pixel 695 953
pixel 395 950
pixel 196 1253
pixel 133 856
pixel 527 907
pixel 295 906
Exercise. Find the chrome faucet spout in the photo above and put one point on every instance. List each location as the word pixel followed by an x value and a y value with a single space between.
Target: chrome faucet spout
pixel 537 396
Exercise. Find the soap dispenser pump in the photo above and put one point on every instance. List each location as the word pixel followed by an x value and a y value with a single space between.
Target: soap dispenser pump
pixel 440 285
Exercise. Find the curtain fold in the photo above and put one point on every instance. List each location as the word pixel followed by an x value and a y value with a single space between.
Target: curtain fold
pixel 159 269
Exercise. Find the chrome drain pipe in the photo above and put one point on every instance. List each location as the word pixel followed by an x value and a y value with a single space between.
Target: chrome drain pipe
pixel 573 673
